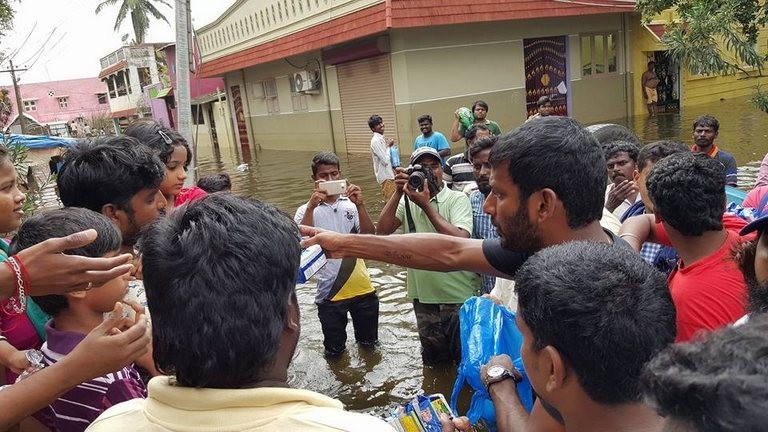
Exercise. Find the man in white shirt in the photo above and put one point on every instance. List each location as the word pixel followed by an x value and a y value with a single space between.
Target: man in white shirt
pixel 380 151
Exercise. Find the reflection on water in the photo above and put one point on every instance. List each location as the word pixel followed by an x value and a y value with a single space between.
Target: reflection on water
pixel 365 380
pixel 743 132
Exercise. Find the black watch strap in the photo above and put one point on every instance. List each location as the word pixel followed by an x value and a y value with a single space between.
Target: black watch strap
pixel 506 374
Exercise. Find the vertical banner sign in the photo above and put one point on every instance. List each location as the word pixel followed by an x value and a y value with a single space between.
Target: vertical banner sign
pixel 545 73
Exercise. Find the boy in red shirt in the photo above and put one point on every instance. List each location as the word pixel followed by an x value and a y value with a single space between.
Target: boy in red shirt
pixel 688 193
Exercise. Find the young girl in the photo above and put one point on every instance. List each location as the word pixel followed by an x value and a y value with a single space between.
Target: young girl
pixel 175 154
pixel 19 332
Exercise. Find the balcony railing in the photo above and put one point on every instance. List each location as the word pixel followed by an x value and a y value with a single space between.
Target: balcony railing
pixel 126 53
pixel 255 22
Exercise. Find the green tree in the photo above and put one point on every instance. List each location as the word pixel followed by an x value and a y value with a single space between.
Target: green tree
pixel 715 37
pixel 140 11
pixel 6 106
pixel 6 16
pixel 6 21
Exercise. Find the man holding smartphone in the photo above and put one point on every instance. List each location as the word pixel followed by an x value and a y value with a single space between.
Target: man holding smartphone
pixel 343 285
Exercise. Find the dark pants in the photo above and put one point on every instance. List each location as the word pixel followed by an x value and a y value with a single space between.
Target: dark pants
pixel 438 326
pixel 333 320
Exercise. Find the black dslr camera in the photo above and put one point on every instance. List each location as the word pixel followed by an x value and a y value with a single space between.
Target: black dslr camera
pixel 418 175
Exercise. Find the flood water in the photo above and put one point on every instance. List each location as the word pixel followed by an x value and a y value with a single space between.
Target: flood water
pixel 374 381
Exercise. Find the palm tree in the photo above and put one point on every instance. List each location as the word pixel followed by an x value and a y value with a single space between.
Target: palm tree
pixel 140 11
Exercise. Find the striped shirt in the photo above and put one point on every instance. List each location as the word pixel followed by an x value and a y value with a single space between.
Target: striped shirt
pixel 482 229
pixel 458 172
pixel 77 408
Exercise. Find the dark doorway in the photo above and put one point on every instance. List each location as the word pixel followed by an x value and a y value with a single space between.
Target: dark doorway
pixel 668 72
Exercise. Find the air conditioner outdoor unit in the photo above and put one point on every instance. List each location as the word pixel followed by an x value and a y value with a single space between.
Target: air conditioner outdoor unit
pixel 304 81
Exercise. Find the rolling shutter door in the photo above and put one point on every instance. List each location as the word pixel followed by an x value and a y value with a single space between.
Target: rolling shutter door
pixel 365 88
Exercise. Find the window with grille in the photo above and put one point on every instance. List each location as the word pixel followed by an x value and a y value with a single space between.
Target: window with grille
pixel 270 96
pixel 598 54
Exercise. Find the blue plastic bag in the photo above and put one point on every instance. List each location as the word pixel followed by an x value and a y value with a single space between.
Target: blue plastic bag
pixel 487 329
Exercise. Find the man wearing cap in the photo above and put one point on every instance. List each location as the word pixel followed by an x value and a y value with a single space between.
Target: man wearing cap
pixel 436 296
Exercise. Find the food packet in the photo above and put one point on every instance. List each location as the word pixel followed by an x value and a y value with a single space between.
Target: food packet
pixel 127 312
pixel 466 118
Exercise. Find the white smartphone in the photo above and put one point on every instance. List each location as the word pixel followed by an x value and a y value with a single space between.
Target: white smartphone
pixel 334 187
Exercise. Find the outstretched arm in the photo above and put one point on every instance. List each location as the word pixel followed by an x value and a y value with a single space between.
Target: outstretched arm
pixel 431 251
pixel 55 273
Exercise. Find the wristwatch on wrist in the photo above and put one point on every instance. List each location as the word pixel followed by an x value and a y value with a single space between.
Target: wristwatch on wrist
pixel 35 358
pixel 498 373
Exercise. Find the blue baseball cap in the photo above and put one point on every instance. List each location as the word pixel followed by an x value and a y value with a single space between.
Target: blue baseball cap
pixel 757 224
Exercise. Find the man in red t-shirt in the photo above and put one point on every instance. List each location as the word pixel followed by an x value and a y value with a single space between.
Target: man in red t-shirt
pixel 688 193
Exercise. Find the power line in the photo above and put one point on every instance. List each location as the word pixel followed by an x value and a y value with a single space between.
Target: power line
pixel 46 52
pixel 12 55
pixel 42 46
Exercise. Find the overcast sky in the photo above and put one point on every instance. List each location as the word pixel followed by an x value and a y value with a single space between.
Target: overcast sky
pixel 69 38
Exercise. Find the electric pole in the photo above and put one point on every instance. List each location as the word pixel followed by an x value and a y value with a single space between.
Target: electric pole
pixel 17 91
pixel 183 97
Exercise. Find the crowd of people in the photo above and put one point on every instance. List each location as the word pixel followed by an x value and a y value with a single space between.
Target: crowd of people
pixel 143 305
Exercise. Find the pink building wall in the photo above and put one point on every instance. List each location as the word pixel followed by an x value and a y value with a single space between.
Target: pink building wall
pixel 198 86
pixel 158 107
pixel 81 99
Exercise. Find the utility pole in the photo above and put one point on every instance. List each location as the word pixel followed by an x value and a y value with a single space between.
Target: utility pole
pixel 183 97
pixel 17 91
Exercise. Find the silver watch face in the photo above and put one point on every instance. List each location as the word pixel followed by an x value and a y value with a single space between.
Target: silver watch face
pixel 495 371
pixel 35 357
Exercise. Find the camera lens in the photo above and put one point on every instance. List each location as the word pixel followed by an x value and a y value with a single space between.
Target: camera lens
pixel 416 180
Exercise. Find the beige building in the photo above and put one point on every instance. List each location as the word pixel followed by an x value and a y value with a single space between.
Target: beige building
pixel 307 74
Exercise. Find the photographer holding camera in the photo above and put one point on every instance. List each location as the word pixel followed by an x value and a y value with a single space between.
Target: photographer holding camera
pixel 423 204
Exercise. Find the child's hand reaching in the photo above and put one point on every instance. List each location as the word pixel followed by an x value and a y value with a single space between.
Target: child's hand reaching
pixel 136 272
pixel 115 343
pixel 18 362
pixel 145 361
pixel 13 359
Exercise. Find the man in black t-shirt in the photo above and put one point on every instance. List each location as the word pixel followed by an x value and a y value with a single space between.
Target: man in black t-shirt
pixel 547 187
pixel 547 182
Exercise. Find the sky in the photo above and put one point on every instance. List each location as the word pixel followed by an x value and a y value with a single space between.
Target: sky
pixel 64 39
